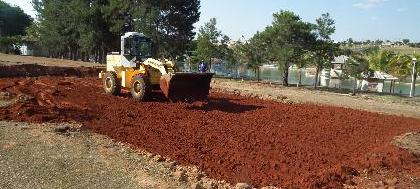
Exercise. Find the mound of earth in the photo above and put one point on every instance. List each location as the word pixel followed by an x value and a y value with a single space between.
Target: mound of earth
pixel 34 70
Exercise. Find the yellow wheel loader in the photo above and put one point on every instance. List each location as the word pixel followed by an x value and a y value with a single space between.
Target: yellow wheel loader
pixel 134 69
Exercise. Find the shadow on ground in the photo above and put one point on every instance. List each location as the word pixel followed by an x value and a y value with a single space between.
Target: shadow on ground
pixel 225 105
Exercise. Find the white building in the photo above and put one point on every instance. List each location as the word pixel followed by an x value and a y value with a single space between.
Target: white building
pixel 333 77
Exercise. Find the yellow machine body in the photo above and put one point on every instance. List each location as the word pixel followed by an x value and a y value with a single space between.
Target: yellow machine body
pixel 134 60
pixel 125 74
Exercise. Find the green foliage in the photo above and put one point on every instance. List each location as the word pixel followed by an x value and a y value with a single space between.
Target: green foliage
pixel 95 26
pixel 13 23
pixel 212 44
pixel 357 66
pixel 400 66
pixel 208 41
pixel 255 50
pixel 324 48
pixel 376 59
pixel 285 41
pixel 379 60
pixel 233 55
pixel 325 26
pixel 10 44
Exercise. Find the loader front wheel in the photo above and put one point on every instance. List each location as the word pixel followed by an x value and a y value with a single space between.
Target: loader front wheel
pixel 111 84
pixel 139 87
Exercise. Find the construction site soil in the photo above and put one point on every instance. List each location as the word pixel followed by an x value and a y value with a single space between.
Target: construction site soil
pixel 231 138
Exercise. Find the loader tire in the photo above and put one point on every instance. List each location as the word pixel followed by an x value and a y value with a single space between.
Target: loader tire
pixel 112 85
pixel 139 87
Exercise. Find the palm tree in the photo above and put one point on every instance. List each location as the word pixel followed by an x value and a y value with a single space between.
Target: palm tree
pixel 379 60
pixel 399 66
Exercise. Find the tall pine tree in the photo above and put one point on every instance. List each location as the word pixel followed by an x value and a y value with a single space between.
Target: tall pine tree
pixel 83 27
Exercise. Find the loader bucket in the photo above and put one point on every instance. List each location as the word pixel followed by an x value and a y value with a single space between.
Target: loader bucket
pixel 186 86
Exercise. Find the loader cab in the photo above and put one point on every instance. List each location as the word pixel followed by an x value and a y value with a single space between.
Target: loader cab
pixel 136 45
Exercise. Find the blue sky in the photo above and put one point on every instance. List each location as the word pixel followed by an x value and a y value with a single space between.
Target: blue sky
pixel 358 19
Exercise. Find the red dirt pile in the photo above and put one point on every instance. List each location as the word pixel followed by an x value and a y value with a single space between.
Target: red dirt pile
pixel 231 138
pixel 34 70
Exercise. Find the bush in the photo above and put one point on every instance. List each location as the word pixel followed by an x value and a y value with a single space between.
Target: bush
pixel 10 45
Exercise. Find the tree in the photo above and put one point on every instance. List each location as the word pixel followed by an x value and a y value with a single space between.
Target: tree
pixel 406 41
pixel 379 59
pixel 208 42
pixel 254 52
pixel 234 56
pixel 170 24
pixel 324 48
pixel 350 41
pixel 13 21
pixel 77 28
pixel 400 66
pixel 357 67
pixel 417 56
pixel 307 59
pixel 287 40
pixel 379 42
pixel 13 24
pixel 56 30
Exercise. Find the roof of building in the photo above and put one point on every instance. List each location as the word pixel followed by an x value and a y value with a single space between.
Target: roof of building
pixel 340 59
pixel 383 76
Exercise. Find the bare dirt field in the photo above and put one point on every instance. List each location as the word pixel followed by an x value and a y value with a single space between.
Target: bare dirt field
pixel 230 138
pixel 292 143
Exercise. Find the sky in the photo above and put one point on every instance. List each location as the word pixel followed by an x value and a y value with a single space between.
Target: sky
pixel 358 19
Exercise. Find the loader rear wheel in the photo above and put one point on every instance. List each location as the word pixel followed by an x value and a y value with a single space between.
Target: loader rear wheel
pixel 139 87
pixel 112 85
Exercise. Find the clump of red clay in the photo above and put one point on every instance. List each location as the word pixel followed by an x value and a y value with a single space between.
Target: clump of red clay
pixel 231 138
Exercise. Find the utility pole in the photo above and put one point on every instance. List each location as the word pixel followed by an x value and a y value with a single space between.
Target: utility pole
pixel 413 79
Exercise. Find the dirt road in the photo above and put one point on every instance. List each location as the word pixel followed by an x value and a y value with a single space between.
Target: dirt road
pixel 231 138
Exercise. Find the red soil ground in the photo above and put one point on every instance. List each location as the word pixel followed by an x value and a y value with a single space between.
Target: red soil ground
pixel 231 138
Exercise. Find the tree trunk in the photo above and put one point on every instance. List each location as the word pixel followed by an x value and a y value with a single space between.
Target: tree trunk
pixel 103 54
pixel 71 55
pixel 300 77
pixel 99 56
pixel 393 87
pixel 316 77
pixel 96 55
pixel 286 74
pixel 390 87
pixel 258 74
pixel 210 65
pixel 237 73
pixel 354 86
pixel 78 56
pixel 255 73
